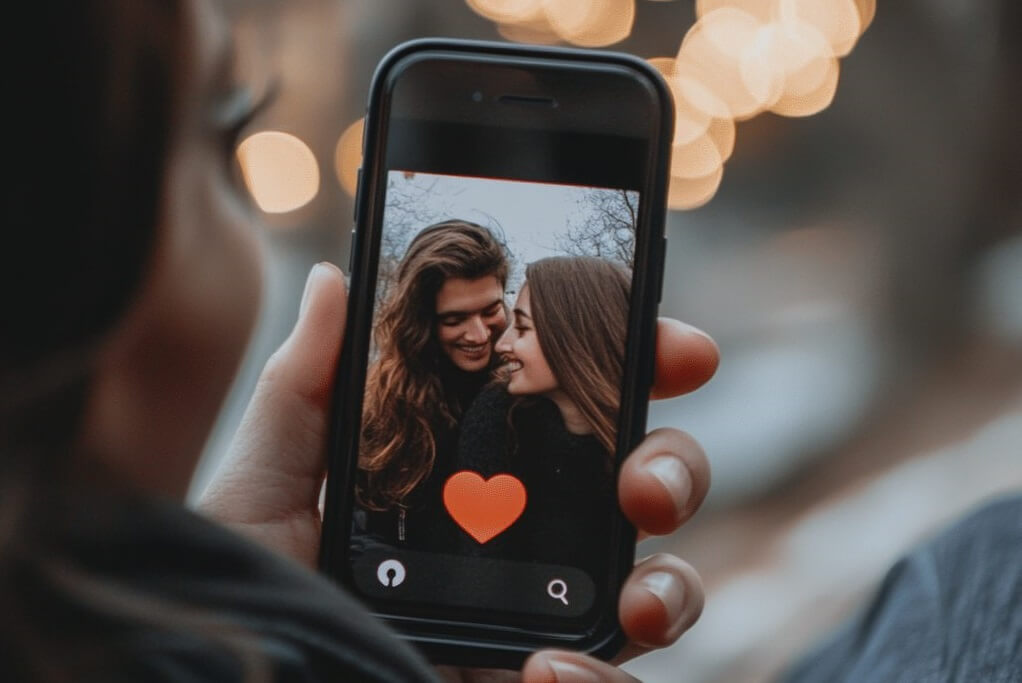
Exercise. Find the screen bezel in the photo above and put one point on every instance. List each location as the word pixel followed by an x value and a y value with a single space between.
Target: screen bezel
pixel 438 109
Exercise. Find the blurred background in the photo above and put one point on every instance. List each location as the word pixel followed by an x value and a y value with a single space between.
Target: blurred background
pixel 846 222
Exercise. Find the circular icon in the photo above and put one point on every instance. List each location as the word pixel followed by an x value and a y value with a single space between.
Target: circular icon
pixel 558 590
pixel 391 573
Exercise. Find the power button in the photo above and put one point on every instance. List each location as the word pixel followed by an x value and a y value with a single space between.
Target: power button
pixel 358 196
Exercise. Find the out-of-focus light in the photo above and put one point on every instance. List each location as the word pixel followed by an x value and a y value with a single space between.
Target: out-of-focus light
pixel 348 156
pixel 712 52
pixel 763 10
pixel 591 23
pixel 507 11
pixel 799 53
pixel 837 20
pixel 534 32
pixel 695 159
pixel 807 104
pixel 867 10
pixel 722 133
pixel 689 121
pixel 691 193
pixel 279 169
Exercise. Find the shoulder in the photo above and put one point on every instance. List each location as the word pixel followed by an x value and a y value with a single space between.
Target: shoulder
pixel 949 606
pixel 201 603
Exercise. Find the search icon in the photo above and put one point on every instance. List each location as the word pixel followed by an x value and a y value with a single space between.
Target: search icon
pixel 558 590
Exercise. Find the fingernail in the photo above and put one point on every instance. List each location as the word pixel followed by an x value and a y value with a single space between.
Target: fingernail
pixel 569 672
pixel 690 329
pixel 672 473
pixel 318 270
pixel 667 588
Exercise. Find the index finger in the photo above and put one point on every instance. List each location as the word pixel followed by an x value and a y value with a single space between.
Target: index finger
pixel 686 359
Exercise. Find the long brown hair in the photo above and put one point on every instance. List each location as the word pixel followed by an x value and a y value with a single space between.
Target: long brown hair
pixel 405 400
pixel 580 311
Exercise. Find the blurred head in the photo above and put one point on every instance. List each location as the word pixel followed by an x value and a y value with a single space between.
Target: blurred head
pixel 135 279
pixel 568 338
pixel 444 312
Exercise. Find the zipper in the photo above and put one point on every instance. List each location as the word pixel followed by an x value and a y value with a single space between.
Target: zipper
pixel 401 524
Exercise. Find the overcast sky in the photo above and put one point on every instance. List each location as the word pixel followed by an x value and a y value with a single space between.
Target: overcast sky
pixel 532 215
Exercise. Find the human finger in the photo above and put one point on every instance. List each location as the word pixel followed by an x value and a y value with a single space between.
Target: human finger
pixel 277 459
pixel 661 599
pixel 558 666
pixel 686 359
pixel 663 481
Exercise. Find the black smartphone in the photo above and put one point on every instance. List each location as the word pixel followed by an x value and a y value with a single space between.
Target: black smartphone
pixel 505 274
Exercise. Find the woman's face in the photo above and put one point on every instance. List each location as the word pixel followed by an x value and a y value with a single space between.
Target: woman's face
pixel 166 368
pixel 519 347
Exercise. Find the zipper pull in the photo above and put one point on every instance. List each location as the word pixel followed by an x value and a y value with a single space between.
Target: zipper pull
pixel 401 524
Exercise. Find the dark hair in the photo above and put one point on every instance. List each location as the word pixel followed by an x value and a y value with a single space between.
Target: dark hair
pixel 405 399
pixel 99 112
pixel 87 202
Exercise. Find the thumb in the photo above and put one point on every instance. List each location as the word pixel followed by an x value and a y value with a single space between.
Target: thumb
pixel 303 367
pixel 278 456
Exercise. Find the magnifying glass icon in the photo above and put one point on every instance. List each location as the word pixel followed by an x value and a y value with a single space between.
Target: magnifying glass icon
pixel 558 590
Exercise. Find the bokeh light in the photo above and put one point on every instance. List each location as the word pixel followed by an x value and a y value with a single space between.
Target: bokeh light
pixel 695 159
pixel 712 51
pixel 739 59
pixel 837 20
pixel 591 23
pixel 813 102
pixel 689 121
pixel 279 169
pixel 763 10
pixel 690 193
pixel 535 31
pixel 348 156
pixel 507 11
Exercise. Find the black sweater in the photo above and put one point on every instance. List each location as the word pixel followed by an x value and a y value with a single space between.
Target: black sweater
pixel 568 480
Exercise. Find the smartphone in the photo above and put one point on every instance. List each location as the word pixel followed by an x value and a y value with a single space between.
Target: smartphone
pixel 506 269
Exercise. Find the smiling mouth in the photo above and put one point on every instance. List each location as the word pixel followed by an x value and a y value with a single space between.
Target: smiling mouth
pixel 513 365
pixel 473 349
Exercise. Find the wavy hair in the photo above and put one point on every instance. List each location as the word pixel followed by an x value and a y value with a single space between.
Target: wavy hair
pixel 405 400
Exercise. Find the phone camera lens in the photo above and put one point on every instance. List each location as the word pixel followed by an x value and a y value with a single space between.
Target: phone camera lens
pixel 477 96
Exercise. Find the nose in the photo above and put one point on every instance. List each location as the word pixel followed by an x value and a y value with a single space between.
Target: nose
pixel 504 342
pixel 477 332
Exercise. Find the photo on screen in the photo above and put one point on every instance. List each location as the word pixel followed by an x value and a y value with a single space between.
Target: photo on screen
pixel 493 385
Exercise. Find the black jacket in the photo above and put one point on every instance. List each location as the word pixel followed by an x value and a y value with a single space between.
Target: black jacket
pixel 568 479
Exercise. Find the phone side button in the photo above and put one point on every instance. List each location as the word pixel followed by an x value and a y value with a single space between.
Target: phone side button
pixel 358 196
pixel 663 275
pixel 351 251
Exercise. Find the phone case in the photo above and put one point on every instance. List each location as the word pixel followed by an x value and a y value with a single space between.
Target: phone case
pixel 454 641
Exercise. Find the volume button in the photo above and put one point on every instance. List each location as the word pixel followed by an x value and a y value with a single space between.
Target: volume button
pixel 358 196
pixel 663 264
pixel 351 252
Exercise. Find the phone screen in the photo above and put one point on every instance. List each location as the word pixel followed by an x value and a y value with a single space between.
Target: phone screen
pixel 499 357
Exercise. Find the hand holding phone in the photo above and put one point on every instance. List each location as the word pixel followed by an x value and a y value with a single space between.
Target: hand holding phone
pixel 498 360
pixel 276 465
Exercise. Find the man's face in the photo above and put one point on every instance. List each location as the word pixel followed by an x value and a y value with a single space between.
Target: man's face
pixel 470 316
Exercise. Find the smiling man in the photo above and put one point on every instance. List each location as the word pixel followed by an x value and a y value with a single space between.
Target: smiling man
pixel 434 334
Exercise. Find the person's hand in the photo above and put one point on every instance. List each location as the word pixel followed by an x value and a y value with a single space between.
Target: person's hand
pixel 269 487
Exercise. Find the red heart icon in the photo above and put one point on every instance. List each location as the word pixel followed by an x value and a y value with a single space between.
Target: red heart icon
pixel 484 508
